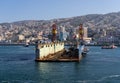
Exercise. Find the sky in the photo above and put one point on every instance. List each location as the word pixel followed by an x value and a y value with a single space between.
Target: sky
pixel 17 10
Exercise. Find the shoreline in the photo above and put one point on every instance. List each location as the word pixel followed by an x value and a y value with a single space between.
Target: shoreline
pixel 93 45
pixel 16 44
pixel 34 45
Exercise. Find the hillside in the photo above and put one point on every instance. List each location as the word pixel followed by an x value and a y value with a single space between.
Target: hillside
pixel 33 28
pixel 91 20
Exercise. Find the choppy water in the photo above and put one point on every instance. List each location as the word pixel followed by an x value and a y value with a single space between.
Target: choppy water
pixel 17 65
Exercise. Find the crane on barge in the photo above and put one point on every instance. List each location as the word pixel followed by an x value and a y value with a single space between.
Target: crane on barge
pixel 55 51
pixel 84 50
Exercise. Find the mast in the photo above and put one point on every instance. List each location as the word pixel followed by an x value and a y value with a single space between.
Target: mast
pixel 81 34
pixel 54 32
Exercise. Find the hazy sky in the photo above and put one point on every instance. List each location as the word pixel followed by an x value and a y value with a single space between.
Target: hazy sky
pixel 17 10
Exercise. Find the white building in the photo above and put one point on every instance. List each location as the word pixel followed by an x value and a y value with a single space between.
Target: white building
pixel 21 37
pixel 62 34
pixel 108 39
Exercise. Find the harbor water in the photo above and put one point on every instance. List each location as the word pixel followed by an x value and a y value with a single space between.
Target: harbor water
pixel 17 65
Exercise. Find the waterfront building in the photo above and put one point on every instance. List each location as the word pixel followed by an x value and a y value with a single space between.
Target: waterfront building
pixel 72 34
pixel 108 40
pixel 21 37
pixel 62 34
pixel 115 33
pixel 85 36
pixel 85 29
pixel 104 32
pixel 1 38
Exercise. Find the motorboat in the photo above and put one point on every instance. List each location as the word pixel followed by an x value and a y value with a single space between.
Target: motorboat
pixel 109 47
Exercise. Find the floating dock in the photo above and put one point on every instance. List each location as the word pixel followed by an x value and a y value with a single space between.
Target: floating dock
pixel 55 52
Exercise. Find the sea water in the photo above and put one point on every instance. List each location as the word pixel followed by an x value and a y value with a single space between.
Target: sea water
pixel 17 65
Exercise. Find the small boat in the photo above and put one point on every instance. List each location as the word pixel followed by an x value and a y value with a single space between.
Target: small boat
pixel 85 50
pixel 26 45
pixel 109 47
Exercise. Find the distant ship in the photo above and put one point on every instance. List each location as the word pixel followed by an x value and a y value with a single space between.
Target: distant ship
pixel 109 47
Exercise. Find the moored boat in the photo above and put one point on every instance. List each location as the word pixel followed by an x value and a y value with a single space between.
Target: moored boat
pixel 26 45
pixel 109 47
pixel 84 50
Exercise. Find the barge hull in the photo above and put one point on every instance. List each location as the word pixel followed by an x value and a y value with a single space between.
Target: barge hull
pixel 55 52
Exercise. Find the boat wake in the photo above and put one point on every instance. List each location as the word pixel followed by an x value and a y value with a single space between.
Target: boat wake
pixel 103 79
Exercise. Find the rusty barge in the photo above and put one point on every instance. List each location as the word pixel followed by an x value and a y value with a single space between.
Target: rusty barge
pixel 56 52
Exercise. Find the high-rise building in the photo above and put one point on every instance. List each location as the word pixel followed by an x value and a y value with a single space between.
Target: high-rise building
pixel 62 34
pixel 85 29
pixel 85 36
